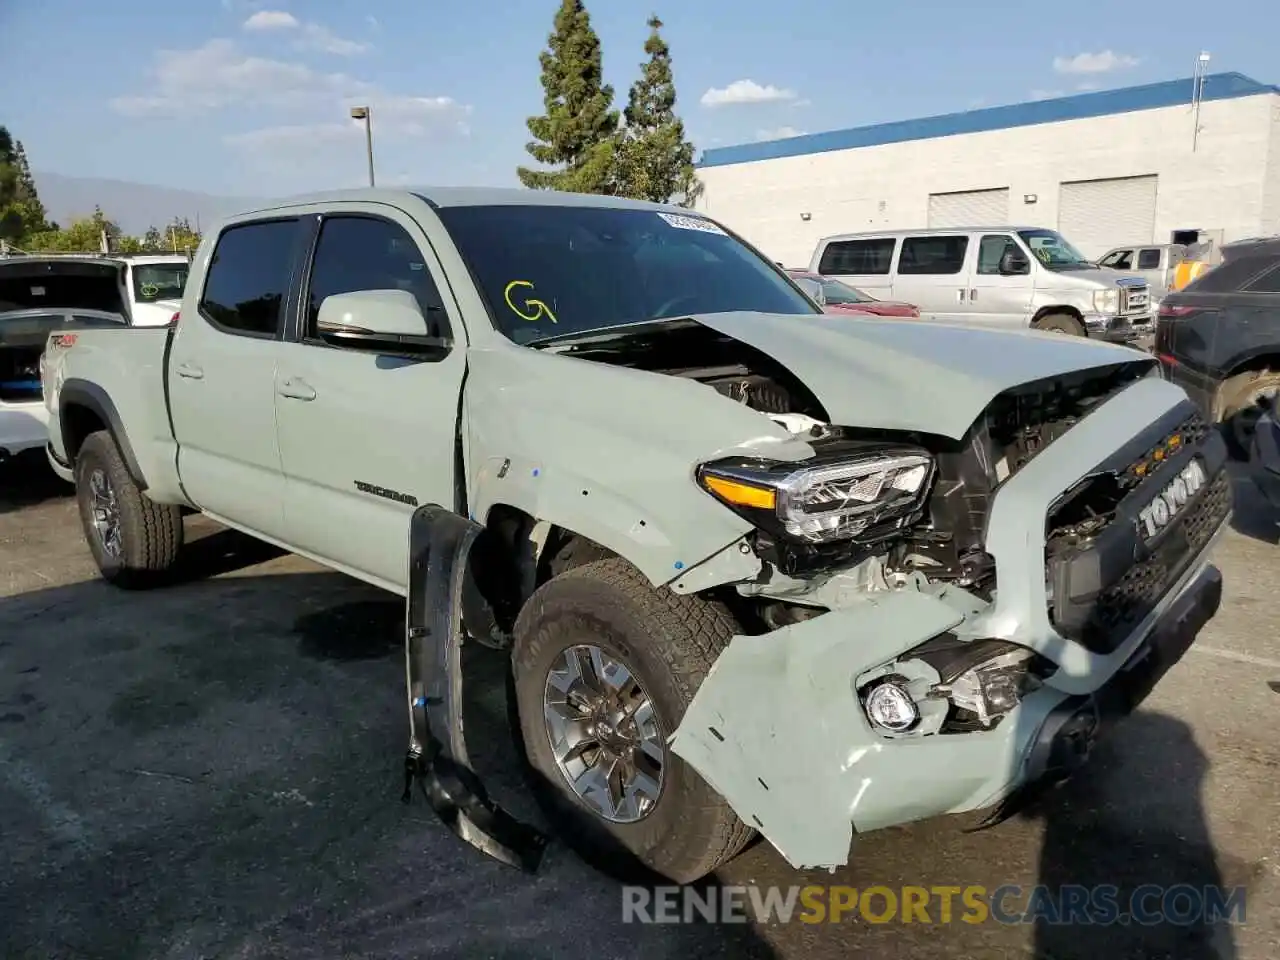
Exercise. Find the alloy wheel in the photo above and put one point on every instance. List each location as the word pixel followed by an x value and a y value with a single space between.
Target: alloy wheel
pixel 604 733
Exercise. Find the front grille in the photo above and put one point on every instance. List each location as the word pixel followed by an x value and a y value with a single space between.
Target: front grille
pixel 1091 506
pixel 1121 607
pixel 1135 299
pixel 1103 575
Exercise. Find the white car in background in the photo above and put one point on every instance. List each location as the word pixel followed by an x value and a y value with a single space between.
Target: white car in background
pixel 42 294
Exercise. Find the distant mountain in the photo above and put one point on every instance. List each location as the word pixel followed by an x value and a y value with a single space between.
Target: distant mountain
pixel 134 206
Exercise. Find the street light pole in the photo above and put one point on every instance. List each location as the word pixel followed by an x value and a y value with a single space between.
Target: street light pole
pixel 366 114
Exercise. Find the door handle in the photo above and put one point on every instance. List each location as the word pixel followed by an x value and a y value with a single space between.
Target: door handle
pixel 973 295
pixel 960 294
pixel 296 388
pixel 190 371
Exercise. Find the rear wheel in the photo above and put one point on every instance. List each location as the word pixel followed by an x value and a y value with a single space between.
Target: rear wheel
pixel 604 667
pixel 1062 323
pixel 133 539
pixel 1241 402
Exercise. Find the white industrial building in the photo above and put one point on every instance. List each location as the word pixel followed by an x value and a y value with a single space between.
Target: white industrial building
pixel 1104 169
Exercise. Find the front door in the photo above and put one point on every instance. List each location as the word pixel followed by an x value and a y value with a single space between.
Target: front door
pixel 996 299
pixel 222 377
pixel 931 274
pixel 366 436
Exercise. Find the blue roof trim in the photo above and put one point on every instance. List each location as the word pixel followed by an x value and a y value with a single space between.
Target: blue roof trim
pixel 1167 93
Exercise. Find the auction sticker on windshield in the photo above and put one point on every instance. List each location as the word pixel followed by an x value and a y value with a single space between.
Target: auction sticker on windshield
pixel 692 223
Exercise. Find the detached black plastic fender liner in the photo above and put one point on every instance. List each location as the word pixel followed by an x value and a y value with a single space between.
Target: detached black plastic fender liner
pixel 440 543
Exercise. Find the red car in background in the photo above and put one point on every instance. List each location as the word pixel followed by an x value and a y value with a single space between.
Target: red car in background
pixel 842 298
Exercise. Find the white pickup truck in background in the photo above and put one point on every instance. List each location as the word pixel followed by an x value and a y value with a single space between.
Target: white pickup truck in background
pixel 45 293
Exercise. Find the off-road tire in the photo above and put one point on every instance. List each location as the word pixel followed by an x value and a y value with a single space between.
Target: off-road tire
pixel 669 641
pixel 1061 323
pixel 1238 400
pixel 150 532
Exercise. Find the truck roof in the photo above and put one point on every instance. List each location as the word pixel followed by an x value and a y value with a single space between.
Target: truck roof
pixel 463 197
pixel 929 232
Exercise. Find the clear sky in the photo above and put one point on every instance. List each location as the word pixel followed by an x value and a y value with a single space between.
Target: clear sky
pixel 251 97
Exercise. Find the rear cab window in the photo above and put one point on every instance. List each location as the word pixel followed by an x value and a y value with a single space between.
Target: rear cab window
pixel 1149 259
pixel 249 277
pixel 864 257
pixel 158 281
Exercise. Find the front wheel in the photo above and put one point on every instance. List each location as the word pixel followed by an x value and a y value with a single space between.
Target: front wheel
pixel 604 668
pixel 1242 399
pixel 133 539
pixel 1062 323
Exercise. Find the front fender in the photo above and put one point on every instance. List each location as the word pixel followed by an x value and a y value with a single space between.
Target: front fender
pixel 610 453
pixel 440 543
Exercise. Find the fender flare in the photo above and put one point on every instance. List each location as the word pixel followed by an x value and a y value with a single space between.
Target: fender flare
pixel 91 396
pixel 440 594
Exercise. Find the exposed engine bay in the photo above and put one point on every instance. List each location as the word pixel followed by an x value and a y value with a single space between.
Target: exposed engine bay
pixel 943 540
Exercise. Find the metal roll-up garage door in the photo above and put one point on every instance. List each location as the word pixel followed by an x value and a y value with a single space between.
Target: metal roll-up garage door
pixel 1096 215
pixel 972 208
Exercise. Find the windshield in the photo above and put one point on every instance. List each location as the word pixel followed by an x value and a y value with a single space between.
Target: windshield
pixel 840 293
pixel 552 271
pixel 1053 251
pixel 159 281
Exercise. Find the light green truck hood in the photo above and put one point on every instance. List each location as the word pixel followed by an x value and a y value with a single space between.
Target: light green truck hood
pixel 907 374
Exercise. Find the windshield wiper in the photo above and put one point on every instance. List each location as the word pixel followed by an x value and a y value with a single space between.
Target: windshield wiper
pixel 605 334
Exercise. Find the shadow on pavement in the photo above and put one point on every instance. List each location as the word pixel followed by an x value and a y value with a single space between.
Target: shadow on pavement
pixel 177 780
pixel 1254 516
pixel 26 480
pixel 1159 837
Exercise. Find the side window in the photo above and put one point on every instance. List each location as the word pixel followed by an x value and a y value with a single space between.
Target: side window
pixel 990 250
pixel 1233 275
pixel 1149 259
pixel 363 253
pixel 249 276
pixel 857 257
pixel 1110 259
pixel 933 256
pixel 1123 260
pixel 1269 282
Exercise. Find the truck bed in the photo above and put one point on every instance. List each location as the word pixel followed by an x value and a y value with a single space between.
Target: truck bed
pixel 114 378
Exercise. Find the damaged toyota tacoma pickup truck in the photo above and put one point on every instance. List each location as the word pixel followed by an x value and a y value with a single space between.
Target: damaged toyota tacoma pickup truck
pixel 754 569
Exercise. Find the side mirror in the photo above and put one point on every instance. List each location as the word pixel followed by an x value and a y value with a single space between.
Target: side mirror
pixel 1013 263
pixel 813 290
pixel 376 319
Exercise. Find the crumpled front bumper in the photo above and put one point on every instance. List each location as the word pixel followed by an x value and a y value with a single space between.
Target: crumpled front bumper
pixel 778 729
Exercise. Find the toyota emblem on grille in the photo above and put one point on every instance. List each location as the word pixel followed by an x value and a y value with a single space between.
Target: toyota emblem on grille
pixel 1170 501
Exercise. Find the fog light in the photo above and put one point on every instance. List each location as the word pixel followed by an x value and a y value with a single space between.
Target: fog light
pixel 890 706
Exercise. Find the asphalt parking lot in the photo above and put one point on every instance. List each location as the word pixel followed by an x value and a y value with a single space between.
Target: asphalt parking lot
pixel 214 770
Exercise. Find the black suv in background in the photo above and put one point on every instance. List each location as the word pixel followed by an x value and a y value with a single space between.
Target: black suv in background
pixel 1219 338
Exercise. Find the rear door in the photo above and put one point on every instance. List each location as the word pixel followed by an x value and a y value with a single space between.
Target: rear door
pixel 364 435
pixel 932 273
pixel 222 375
pixel 1150 265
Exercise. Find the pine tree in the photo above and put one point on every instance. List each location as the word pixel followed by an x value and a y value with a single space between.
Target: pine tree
pixel 21 212
pixel 655 160
pixel 578 132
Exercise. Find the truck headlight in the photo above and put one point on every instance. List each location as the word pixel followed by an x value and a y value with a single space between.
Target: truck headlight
pixel 831 501
pixel 1107 301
